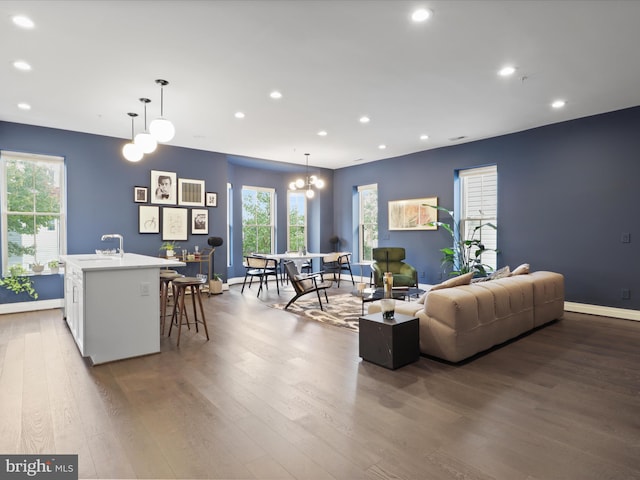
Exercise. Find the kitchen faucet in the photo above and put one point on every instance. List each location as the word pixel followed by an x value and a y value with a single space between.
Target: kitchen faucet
pixel 109 236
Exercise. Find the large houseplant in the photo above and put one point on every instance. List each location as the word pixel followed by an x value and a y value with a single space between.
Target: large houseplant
pixel 463 256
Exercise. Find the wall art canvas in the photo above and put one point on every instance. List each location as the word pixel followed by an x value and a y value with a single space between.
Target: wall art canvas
pixel 413 214
pixel 174 223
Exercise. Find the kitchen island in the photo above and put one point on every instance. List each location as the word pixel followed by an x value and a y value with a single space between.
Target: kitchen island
pixel 112 304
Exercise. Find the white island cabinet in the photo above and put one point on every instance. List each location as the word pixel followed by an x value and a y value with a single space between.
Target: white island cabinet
pixel 112 304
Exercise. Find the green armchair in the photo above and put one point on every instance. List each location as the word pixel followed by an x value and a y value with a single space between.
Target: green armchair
pixel 389 259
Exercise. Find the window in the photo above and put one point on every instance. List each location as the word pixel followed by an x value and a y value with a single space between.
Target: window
pixel 33 219
pixel 368 221
pixel 258 224
pixel 478 206
pixel 296 221
pixel 229 222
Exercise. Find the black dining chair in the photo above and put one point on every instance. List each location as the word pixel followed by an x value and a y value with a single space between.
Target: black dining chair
pixel 261 267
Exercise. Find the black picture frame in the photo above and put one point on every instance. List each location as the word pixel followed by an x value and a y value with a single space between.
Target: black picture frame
pixel 212 199
pixel 140 194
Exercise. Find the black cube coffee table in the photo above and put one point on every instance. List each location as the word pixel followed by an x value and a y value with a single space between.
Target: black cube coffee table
pixel 389 343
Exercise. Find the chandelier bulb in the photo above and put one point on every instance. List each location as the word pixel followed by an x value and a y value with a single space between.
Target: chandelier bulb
pixel 310 193
pixel 161 128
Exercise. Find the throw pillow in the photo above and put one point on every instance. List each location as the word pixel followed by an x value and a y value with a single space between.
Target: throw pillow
pixel 521 270
pixel 502 273
pixel 454 282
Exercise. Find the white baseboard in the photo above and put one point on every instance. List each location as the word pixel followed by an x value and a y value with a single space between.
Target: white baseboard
pixel 602 311
pixel 31 306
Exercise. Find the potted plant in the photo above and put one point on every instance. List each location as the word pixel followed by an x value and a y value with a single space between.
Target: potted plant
pixel 169 247
pixel 465 255
pixel 54 266
pixel 215 284
pixel 37 267
pixel 18 281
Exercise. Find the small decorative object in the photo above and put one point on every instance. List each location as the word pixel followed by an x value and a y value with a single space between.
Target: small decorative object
pixel 169 248
pixel 413 214
pixel 18 281
pixel 215 284
pixel 388 306
pixel 140 194
pixel 37 267
pixel 212 199
pixel 54 266
pixel 388 285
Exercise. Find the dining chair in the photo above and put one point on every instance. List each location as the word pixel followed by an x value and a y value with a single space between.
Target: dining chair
pixel 261 267
pixel 336 263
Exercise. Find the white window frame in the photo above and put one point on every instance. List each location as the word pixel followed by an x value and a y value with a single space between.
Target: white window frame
pixel 272 215
pixel 61 214
pixel 297 193
pixel 363 190
pixel 478 189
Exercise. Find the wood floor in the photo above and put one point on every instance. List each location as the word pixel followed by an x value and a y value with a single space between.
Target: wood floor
pixel 274 396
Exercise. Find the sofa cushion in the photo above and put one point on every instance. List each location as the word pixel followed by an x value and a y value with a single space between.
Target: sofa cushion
pixel 454 282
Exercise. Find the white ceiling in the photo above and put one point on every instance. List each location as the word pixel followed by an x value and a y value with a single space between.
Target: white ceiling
pixel 333 61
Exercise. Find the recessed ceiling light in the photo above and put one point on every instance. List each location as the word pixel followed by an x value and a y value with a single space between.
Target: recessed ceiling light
pixel 506 71
pixel 558 103
pixel 239 115
pixel 275 94
pixel 364 119
pixel 21 65
pixel 322 133
pixel 382 146
pixel 22 21
pixel 424 137
pixel 421 14
pixel 24 106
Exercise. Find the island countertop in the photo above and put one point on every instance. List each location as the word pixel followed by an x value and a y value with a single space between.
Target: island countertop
pixel 92 261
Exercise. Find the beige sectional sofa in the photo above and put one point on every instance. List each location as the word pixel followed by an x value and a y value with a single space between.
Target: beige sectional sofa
pixel 456 322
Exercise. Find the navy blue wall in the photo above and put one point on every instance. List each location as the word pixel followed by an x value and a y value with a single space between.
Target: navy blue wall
pixel 566 194
pixel 100 191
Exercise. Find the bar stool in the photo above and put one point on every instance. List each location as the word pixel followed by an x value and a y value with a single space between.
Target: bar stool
pixel 181 285
pixel 166 278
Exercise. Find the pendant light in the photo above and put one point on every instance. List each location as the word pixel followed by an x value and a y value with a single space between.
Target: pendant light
pixel 131 151
pixel 144 140
pixel 161 128
pixel 308 182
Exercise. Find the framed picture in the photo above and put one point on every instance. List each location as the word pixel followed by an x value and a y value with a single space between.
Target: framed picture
pixel 140 194
pixel 413 214
pixel 199 221
pixel 148 219
pixel 190 192
pixel 212 199
pixel 163 185
pixel 174 223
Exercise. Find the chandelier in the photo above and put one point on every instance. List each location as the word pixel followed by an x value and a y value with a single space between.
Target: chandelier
pixel 308 182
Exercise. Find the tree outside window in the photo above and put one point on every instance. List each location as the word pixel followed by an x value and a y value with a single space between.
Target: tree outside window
pixel 297 221
pixel 32 208
pixel 368 221
pixel 257 220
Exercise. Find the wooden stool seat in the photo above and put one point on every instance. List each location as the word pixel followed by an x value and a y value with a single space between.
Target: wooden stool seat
pixel 166 278
pixel 179 313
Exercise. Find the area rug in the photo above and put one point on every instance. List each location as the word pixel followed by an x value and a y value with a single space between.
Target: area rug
pixel 341 311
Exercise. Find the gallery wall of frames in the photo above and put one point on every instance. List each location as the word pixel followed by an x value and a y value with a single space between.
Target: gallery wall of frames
pixel 173 206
